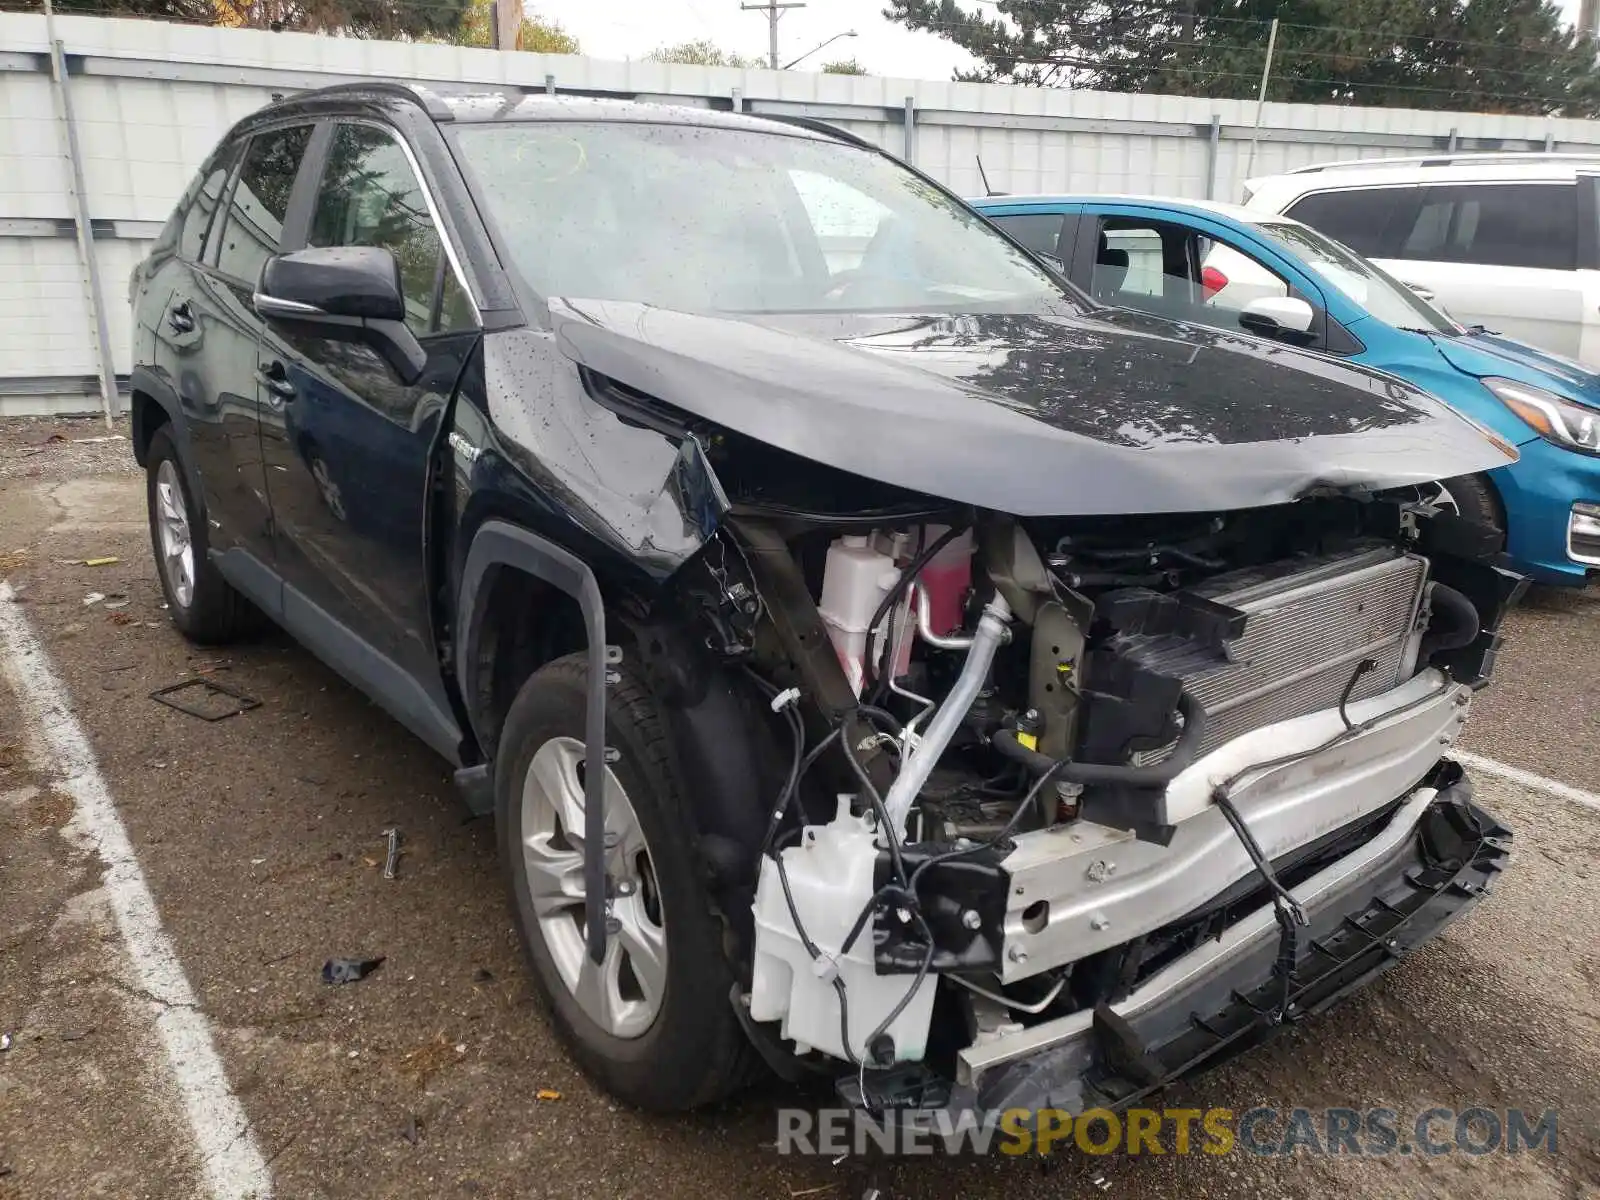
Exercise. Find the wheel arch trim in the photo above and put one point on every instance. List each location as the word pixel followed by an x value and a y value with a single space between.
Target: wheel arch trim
pixel 499 544
pixel 145 382
pixel 158 391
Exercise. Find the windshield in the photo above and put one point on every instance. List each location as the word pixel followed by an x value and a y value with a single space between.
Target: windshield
pixel 1383 296
pixel 728 220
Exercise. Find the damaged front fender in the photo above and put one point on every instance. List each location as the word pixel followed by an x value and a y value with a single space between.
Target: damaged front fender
pixel 644 496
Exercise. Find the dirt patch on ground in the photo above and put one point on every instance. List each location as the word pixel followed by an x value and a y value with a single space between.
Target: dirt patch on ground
pixel 33 448
pixel 49 810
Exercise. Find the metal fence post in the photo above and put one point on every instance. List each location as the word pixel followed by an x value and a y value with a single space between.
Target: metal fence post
pixel 1549 141
pixel 549 85
pixel 910 154
pixel 738 100
pixel 1455 139
pixel 85 228
pixel 1213 149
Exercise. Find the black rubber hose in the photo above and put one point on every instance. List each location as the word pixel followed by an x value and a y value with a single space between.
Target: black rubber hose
pixel 1462 624
pixel 797 730
pixel 873 712
pixel 1155 775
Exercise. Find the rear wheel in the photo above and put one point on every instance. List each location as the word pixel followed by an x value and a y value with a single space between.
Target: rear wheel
pixel 203 605
pixel 651 1022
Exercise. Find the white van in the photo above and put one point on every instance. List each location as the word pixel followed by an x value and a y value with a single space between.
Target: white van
pixel 1508 241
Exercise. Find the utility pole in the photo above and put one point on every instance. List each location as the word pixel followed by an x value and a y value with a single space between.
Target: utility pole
pixel 774 10
pixel 1589 18
pixel 505 23
pixel 1261 99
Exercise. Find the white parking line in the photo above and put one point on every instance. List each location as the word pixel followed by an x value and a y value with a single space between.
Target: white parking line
pixel 1527 779
pixel 229 1158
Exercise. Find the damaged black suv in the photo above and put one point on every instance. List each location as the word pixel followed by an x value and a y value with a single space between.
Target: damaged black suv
pixel 878 660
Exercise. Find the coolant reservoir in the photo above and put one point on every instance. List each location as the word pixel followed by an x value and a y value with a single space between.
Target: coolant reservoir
pixel 946 579
pixel 855 580
pixel 830 876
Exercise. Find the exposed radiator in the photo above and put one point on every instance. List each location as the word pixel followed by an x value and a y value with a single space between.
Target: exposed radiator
pixel 1310 624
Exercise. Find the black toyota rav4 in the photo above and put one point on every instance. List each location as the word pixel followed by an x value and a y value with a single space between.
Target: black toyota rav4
pixel 879 661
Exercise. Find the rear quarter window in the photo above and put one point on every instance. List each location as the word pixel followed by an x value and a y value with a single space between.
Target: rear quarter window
pixel 1039 232
pixel 1358 217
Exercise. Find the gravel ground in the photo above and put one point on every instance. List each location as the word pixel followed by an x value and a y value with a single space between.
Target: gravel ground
pixel 54 448
pixel 261 838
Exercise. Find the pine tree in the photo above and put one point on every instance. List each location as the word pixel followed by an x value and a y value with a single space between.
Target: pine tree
pixel 1513 56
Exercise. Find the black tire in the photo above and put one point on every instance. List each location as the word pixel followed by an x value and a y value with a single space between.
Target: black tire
pixel 1476 500
pixel 695 1051
pixel 215 613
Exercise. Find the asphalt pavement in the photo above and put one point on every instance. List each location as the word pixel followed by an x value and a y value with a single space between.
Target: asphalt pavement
pixel 259 841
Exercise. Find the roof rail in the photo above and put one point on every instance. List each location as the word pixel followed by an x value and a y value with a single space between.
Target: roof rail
pixel 427 98
pixel 1473 157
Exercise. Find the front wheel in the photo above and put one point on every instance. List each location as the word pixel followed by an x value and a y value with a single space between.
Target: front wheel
pixel 203 605
pixel 1472 497
pixel 652 1022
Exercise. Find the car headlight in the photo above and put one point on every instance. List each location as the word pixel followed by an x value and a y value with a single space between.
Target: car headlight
pixel 1556 419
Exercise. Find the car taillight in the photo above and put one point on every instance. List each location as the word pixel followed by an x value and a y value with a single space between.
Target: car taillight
pixel 1213 281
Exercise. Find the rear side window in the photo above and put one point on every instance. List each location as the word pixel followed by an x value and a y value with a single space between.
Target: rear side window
pixel 1356 217
pixel 260 201
pixel 1039 232
pixel 1502 225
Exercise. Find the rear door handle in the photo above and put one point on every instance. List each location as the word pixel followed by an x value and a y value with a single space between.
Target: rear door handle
pixel 180 319
pixel 275 379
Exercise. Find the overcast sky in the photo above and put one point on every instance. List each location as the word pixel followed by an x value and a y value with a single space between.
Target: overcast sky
pixel 633 28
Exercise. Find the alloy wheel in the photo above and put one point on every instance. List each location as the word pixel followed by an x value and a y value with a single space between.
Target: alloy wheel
pixel 172 531
pixel 624 992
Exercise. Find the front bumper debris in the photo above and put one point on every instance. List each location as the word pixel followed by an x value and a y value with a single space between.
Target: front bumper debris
pixel 1435 859
pixel 1155 883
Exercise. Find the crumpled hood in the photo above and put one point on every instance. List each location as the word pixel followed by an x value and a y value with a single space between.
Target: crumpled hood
pixel 1484 354
pixel 1036 414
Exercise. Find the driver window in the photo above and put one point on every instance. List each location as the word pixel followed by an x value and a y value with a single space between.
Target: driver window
pixel 369 196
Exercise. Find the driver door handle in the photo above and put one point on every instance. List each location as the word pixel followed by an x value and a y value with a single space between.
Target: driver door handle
pixel 275 379
pixel 180 319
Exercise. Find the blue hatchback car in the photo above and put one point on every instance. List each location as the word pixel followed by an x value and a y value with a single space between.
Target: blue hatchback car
pixel 1234 268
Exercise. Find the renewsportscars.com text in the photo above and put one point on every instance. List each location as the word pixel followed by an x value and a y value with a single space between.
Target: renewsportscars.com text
pixel 1370 1132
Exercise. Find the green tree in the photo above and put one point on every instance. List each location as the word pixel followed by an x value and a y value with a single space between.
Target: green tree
pixel 410 20
pixel 700 54
pixel 536 35
pixel 1514 56
pixel 392 19
pixel 845 66
pixel 170 10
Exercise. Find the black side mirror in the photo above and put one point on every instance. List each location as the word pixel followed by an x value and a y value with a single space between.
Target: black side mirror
pixel 348 292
